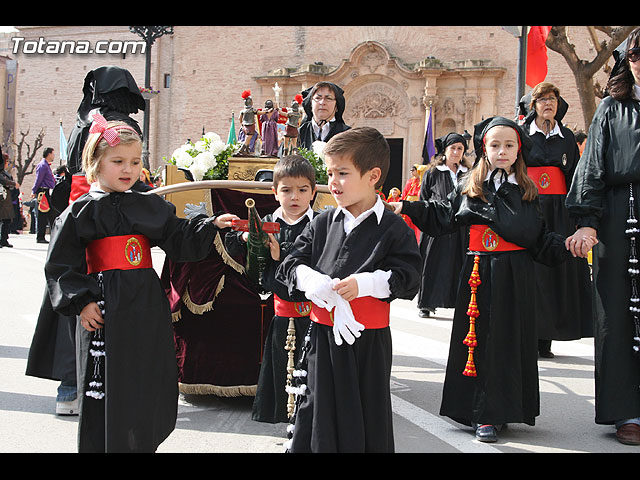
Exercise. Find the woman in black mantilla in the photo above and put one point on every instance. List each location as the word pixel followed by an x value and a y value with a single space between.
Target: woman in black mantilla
pixel 602 199
pixel 442 255
pixel 563 291
pixel 324 105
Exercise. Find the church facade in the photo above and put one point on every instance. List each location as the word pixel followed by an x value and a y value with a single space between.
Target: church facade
pixel 394 77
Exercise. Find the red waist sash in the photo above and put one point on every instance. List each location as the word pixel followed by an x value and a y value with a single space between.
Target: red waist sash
pixel 549 180
pixel 285 308
pixel 483 239
pixel 369 311
pixel 79 187
pixel 122 252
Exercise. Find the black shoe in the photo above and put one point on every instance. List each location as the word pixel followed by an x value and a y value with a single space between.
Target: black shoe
pixel 487 433
pixel 546 354
pixel 425 312
pixel 42 241
pixel 6 244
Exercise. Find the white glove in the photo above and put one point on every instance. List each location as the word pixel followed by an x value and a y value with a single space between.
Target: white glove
pixel 345 325
pixel 317 287
pixel 192 211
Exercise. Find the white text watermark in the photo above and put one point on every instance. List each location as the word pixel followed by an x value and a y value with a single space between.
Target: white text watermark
pixel 81 47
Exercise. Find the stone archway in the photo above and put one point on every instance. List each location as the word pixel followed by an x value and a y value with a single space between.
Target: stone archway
pixel 396 98
pixel 383 93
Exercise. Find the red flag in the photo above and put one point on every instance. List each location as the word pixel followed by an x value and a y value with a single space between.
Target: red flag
pixel 537 55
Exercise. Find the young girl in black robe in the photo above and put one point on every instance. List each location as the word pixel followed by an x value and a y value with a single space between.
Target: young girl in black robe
pixel 492 374
pixel 99 268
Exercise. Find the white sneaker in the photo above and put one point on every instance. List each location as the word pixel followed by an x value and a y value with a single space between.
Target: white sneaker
pixel 67 408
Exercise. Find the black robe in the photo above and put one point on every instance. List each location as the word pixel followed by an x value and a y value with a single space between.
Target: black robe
pixel 270 403
pixel 52 354
pixel 566 311
pixel 442 255
pixel 599 198
pixel 306 135
pixel 140 407
pixel 506 387
pixel 348 404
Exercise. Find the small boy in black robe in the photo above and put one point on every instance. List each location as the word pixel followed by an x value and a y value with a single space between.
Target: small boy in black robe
pixel 351 262
pixel 294 186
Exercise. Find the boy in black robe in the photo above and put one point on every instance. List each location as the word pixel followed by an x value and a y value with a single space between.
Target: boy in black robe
pixel 351 262
pixel 294 186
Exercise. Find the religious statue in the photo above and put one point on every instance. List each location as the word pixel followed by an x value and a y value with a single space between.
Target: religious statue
pixel 293 124
pixel 269 128
pixel 248 122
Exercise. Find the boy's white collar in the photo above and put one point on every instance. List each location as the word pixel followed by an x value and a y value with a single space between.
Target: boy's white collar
pixel 377 209
pixel 277 214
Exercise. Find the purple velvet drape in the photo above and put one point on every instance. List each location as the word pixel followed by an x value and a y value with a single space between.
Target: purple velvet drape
pixel 222 347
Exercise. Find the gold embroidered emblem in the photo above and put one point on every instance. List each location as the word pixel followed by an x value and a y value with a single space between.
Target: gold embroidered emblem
pixel 544 181
pixel 490 240
pixel 303 308
pixel 133 251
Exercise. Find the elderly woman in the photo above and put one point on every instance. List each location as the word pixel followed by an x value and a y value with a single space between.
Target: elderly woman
pixel 563 291
pixel 602 199
pixel 7 212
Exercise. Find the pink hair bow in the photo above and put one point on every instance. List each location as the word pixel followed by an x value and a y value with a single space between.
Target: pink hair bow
pixel 110 134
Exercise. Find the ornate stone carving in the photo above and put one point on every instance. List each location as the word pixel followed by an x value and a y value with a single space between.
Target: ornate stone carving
pixel 376 101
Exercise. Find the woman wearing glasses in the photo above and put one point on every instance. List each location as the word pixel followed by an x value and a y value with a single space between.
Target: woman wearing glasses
pixel 323 105
pixel 563 292
pixel 602 198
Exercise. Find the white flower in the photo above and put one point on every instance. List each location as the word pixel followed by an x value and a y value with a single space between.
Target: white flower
pixel 198 170
pixel 217 146
pixel 182 157
pixel 207 159
pixel 200 145
pixel 212 137
pixel 318 149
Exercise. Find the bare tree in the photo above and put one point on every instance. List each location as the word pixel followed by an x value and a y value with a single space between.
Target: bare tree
pixel 583 70
pixel 24 161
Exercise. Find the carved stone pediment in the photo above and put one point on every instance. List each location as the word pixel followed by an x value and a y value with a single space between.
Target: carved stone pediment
pixel 376 101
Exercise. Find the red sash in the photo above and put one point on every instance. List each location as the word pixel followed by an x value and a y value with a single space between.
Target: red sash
pixel 483 239
pixel 369 311
pixel 284 308
pixel 549 180
pixel 79 186
pixel 122 252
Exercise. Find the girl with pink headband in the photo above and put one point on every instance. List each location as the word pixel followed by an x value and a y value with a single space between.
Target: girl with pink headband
pixel 99 268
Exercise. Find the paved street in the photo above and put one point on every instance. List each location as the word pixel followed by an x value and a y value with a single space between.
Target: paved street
pixel 210 424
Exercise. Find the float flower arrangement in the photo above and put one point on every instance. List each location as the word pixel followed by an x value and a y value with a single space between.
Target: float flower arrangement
pixel 315 155
pixel 206 159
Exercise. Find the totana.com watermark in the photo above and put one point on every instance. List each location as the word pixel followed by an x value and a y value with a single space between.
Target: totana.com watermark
pixel 59 47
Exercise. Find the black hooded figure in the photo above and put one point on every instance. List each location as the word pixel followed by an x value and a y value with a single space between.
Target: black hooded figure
pixel 603 198
pixel 307 135
pixel 563 309
pixel 112 92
